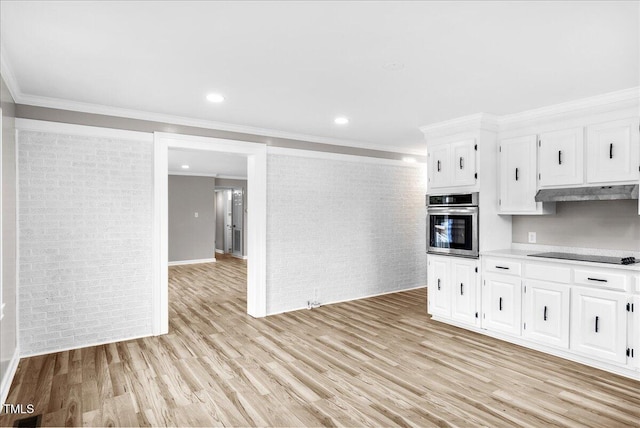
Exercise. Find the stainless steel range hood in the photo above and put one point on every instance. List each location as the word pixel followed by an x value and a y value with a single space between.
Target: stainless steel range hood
pixel 595 193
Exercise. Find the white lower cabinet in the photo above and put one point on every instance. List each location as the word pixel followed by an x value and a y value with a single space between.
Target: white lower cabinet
pixel 546 313
pixel 501 303
pixel 439 286
pixel 464 291
pixel 453 288
pixel 599 324
pixel 581 311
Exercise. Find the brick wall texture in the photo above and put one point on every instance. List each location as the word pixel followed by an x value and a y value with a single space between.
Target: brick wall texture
pixel 339 230
pixel 85 240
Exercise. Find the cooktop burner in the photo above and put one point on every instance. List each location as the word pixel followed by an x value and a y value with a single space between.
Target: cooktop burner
pixel 588 258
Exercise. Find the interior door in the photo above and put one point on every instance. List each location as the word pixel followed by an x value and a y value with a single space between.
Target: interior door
pixel 237 219
pixel 228 222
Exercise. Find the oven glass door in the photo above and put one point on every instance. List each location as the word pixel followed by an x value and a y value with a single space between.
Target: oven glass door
pixel 453 231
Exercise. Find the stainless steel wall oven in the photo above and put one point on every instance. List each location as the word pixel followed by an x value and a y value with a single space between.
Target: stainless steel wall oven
pixel 452 224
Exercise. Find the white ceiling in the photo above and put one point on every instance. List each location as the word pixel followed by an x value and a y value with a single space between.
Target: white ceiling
pixel 221 165
pixel 294 66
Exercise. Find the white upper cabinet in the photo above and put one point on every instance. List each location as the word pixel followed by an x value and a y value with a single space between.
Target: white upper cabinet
pixel 439 166
pixel 518 175
pixel 452 164
pixel 463 166
pixel 613 152
pixel 561 157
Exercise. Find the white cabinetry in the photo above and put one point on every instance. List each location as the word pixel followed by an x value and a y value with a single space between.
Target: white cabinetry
pixel 439 286
pixel 546 313
pixel 561 157
pixel 599 324
pixel 501 303
pixel 613 152
pixel 518 177
pixel 452 164
pixel 581 311
pixel 453 288
pixel 464 291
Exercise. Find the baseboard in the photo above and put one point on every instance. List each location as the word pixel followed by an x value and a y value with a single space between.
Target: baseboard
pixel 219 251
pixel 88 345
pixel 350 299
pixel 191 262
pixel 239 257
pixel 5 384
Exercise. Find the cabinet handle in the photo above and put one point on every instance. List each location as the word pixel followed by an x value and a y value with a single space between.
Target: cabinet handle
pixel 438 283
pixel 597 319
pixel 461 162
pixel 516 174
pixel 544 316
pixel 438 166
pixel 500 304
pixel 502 267
pixel 611 151
pixel 597 279
pixel 461 289
pixel 559 157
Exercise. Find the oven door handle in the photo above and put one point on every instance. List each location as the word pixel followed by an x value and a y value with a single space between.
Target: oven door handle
pixel 461 210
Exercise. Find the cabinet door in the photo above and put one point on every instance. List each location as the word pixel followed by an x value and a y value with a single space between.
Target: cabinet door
pixel 612 151
pixel 439 166
pixel 501 304
pixel 561 157
pixel 546 313
pixel 599 324
pixel 439 287
pixel 518 174
pixel 463 163
pixel 464 288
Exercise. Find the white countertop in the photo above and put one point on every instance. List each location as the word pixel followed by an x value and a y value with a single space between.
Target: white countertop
pixel 524 254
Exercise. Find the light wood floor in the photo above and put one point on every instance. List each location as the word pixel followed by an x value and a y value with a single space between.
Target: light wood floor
pixel 372 362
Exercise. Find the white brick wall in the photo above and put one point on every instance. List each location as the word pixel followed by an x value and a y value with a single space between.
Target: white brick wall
pixel 85 240
pixel 340 230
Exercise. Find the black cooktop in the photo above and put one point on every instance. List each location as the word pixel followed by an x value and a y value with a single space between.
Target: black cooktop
pixel 588 258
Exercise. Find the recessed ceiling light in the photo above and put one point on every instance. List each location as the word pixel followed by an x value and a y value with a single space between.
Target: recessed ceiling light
pixel 185 167
pixel 341 120
pixel 215 98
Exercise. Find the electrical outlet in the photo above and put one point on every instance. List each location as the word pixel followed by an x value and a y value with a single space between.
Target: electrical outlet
pixel 532 237
pixel 196 215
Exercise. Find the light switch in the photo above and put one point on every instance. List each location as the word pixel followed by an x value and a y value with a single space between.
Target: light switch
pixel 196 215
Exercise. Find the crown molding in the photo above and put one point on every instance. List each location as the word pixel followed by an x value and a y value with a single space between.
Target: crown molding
pixel 57 103
pixel 471 123
pixel 8 76
pixel 626 98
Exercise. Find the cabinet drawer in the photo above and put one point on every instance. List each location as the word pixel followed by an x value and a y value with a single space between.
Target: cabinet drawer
pixel 603 279
pixel 503 266
pixel 546 272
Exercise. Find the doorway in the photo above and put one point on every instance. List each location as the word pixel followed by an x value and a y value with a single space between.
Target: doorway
pixel 231 221
pixel 256 156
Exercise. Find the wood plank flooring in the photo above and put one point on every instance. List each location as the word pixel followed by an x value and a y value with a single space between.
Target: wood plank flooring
pixel 373 362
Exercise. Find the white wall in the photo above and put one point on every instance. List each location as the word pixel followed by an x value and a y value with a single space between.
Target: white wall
pixel 85 240
pixel 339 230
pixel 9 322
pixel 190 237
